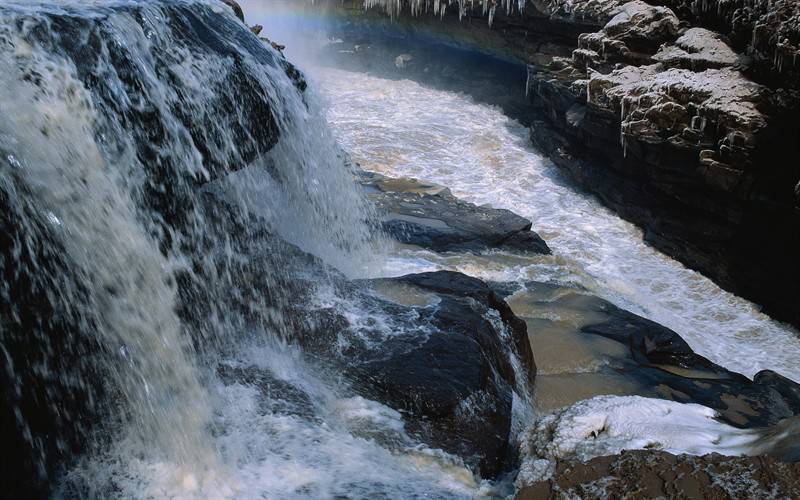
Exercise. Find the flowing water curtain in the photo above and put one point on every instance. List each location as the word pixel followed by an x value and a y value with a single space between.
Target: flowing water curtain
pixel 115 122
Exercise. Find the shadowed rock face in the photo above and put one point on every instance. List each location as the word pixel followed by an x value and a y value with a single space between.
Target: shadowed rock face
pixel 657 474
pixel 429 216
pixel 681 140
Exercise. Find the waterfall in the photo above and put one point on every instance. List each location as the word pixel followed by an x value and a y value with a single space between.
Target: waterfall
pixel 156 161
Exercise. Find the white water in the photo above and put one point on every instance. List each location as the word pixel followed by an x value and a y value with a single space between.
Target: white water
pixel 401 128
pixel 180 430
pixel 349 445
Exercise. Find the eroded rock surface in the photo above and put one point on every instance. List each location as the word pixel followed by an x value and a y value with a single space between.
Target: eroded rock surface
pixel 656 474
pixel 672 128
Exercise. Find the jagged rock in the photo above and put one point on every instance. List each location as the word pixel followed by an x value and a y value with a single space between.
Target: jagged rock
pixel 657 474
pixel 447 366
pixel 697 49
pixel 767 31
pixel 660 105
pixel 429 216
pixel 237 9
pixel 599 11
pixel 641 25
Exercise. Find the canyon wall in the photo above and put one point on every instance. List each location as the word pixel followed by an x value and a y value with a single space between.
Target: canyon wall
pixel 678 115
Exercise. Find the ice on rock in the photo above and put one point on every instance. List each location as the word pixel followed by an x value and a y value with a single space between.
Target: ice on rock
pixel 607 425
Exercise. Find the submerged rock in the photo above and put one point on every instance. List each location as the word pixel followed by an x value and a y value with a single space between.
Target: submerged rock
pixel 645 359
pixel 431 217
pixel 674 371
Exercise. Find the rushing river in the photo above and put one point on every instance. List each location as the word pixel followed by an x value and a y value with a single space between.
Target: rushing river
pixel 402 128
pixel 153 290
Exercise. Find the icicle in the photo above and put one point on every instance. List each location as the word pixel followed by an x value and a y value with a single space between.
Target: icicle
pixel 528 84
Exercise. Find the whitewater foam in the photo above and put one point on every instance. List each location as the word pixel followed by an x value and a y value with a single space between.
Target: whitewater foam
pixel 401 128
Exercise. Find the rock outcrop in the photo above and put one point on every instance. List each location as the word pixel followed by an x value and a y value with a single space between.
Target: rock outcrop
pixel 657 474
pixel 430 216
pixel 666 125
pixel 451 371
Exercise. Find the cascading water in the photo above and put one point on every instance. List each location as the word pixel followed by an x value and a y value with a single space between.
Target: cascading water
pixel 162 173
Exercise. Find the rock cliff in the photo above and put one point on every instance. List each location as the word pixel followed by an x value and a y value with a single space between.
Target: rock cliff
pixel 669 111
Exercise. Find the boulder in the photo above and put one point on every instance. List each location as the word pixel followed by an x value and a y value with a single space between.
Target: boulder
pixel 697 49
pixel 444 350
pixel 431 217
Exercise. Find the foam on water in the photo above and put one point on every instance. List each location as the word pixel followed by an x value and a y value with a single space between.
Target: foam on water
pixel 401 128
pixel 185 314
pixel 337 446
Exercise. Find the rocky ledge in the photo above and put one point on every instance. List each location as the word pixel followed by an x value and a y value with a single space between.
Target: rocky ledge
pixel 679 115
pixel 429 216
pixel 677 128
pixel 657 474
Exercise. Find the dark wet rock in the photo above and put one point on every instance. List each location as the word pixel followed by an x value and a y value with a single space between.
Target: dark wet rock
pixel 47 411
pixel 56 392
pixel 438 347
pixel 446 362
pixel 237 9
pixel 657 474
pixel 431 217
pixel 89 43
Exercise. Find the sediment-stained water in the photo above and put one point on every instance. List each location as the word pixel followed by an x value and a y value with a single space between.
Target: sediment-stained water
pixel 402 128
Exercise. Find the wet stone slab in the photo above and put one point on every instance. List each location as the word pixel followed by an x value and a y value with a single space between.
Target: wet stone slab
pixel 429 216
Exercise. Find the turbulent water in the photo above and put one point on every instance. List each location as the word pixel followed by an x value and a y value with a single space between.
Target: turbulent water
pixel 157 162
pixel 402 128
pixel 162 172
